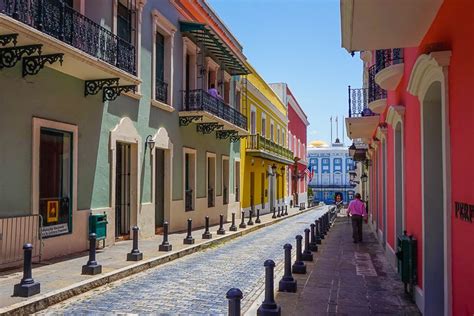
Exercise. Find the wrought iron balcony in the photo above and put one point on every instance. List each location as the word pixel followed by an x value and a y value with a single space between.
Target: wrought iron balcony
pixel 225 195
pixel 260 143
pixel 188 200
pixel 358 102
pixel 375 91
pixel 387 57
pixel 58 20
pixel 200 100
pixel 210 197
pixel 161 91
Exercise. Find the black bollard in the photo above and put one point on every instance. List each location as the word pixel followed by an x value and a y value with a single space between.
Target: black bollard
pixel 274 213
pixel 234 296
pixel 299 267
pixel 27 286
pixel 258 221
pixel 207 234
pixel 165 245
pixel 92 268
pixel 307 255
pixel 312 244
pixel 250 222
pixel 242 223
pixel 221 230
pixel 135 254
pixel 318 237
pixel 278 213
pixel 269 306
pixel 287 282
pixel 320 228
pixel 286 209
pixel 232 227
pixel 189 240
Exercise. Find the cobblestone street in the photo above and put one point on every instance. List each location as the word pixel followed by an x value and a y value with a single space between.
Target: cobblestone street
pixel 196 284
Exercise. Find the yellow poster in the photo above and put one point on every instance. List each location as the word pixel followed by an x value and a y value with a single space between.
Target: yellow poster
pixel 52 211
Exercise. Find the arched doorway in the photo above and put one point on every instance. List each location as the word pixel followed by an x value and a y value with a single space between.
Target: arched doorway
pixel 433 201
pixel 398 151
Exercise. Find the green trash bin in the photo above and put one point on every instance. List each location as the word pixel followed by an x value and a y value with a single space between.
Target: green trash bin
pixel 98 225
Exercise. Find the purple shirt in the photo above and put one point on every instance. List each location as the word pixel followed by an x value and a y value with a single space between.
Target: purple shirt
pixel 357 207
pixel 213 92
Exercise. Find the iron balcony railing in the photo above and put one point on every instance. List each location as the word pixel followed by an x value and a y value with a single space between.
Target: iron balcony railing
pixel 387 57
pixel 225 196
pixel 375 91
pixel 57 19
pixel 161 91
pixel 210 197
pixel 188 200
pixel 258 142
pixel 237 194
pixel 358 102
pixel 200 100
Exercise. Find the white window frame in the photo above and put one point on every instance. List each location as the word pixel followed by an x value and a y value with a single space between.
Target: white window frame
pixel 211 155
pixel 272 130
pixel 39 123
pixel 253 123
pixel 263 124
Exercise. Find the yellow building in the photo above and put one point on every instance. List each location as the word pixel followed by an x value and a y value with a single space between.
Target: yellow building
pixel 264 153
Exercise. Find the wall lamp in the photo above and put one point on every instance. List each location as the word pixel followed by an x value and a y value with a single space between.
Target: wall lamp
pixel 149 142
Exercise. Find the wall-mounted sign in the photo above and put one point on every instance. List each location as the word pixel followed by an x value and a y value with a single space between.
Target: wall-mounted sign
pixel 464 211
pixel 52 211
pixel 54 230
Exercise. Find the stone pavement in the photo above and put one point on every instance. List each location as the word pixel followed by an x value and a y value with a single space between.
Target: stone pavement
pixel 348 279
pixel 62 279
pixel 195 284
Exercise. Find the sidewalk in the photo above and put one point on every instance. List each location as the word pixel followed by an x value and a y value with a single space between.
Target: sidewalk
pixel 347 279
pixel 61 280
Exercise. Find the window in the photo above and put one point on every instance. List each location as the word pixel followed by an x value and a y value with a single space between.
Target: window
pixel 337 165
pixel 161 86
pixel 225 180
pixel 325 165
pixel 294 145
pixel 253 121
pixel 124 20
pixel 237 180
pixel 278 135
pixel 338 179
pixel 325 179
pixel 271 131
pixel 283 139
pixel 211 179
pixel 264 125
pixel 289 140
pixel 189 178
pixel 349 164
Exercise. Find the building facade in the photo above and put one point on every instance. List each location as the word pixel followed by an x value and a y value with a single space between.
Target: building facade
pixel 297 178
pixel 330 169
pixel 414 115
pixel 265 156
pixel 116 117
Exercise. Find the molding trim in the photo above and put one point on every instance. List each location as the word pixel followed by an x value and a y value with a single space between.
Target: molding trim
pixel 395 115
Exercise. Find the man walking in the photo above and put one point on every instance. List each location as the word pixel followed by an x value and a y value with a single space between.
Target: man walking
pixel 357 211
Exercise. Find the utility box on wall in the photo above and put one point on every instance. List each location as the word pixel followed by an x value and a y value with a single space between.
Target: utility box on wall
pixel 98 225
pixel 406 255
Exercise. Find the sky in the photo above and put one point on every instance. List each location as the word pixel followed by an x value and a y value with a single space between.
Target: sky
pixel 298 42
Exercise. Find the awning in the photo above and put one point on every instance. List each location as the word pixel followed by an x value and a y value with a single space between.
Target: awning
pixel 202 34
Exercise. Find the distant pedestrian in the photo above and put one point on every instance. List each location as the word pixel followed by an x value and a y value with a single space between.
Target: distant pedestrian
pixel 357 211
pixel 213 91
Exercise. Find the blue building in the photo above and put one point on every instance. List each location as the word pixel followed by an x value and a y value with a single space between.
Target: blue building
pixel 329 167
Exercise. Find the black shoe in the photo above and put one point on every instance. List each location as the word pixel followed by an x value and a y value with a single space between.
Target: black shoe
pixel 355 241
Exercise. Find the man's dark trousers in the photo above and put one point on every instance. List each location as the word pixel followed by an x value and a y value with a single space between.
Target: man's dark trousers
pixel 357 228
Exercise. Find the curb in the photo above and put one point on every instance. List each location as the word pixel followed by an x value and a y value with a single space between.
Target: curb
pixel 43 301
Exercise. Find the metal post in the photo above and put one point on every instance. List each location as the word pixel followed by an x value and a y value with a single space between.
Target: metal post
pixel 318 235
pixel 242 223
pixel 299 267
pixel 92 268
pixel 189 240
pixel 307 255
pixel 250 222
pixel 286 209
pixel 278 213
pixel 27 286
pixel 221 230
pixel 274 214
pixel 135 254
pixel 207 234
pixel 234 296
pixel 165 245
pixel 287 282
pixel 232 227
pixel 258 221
pixel 269 306
pixel 312 245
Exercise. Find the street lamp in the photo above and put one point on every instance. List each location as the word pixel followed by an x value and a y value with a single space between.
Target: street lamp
pixel 352 150
pixel 274 168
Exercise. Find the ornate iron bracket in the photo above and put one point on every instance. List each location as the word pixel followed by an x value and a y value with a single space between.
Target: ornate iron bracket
pixel 236 138
pixel 111 93
pixel 7 39
pixel 225 134
pixel 207 128
pixel 33 64
pixel 9 56
pixel 92 87
pixel 186 120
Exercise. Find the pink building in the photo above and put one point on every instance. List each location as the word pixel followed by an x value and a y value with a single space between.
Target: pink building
pixel 297 179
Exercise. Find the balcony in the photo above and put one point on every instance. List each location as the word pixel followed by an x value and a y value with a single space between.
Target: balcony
pixel 389 68
pixel 213 113
pixel 361 121
pixel 259 146
pixel 89 51
pixel 377 96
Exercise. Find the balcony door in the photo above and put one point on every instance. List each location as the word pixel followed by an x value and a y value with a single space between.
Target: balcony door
pixel 159 187
pixel 122 190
